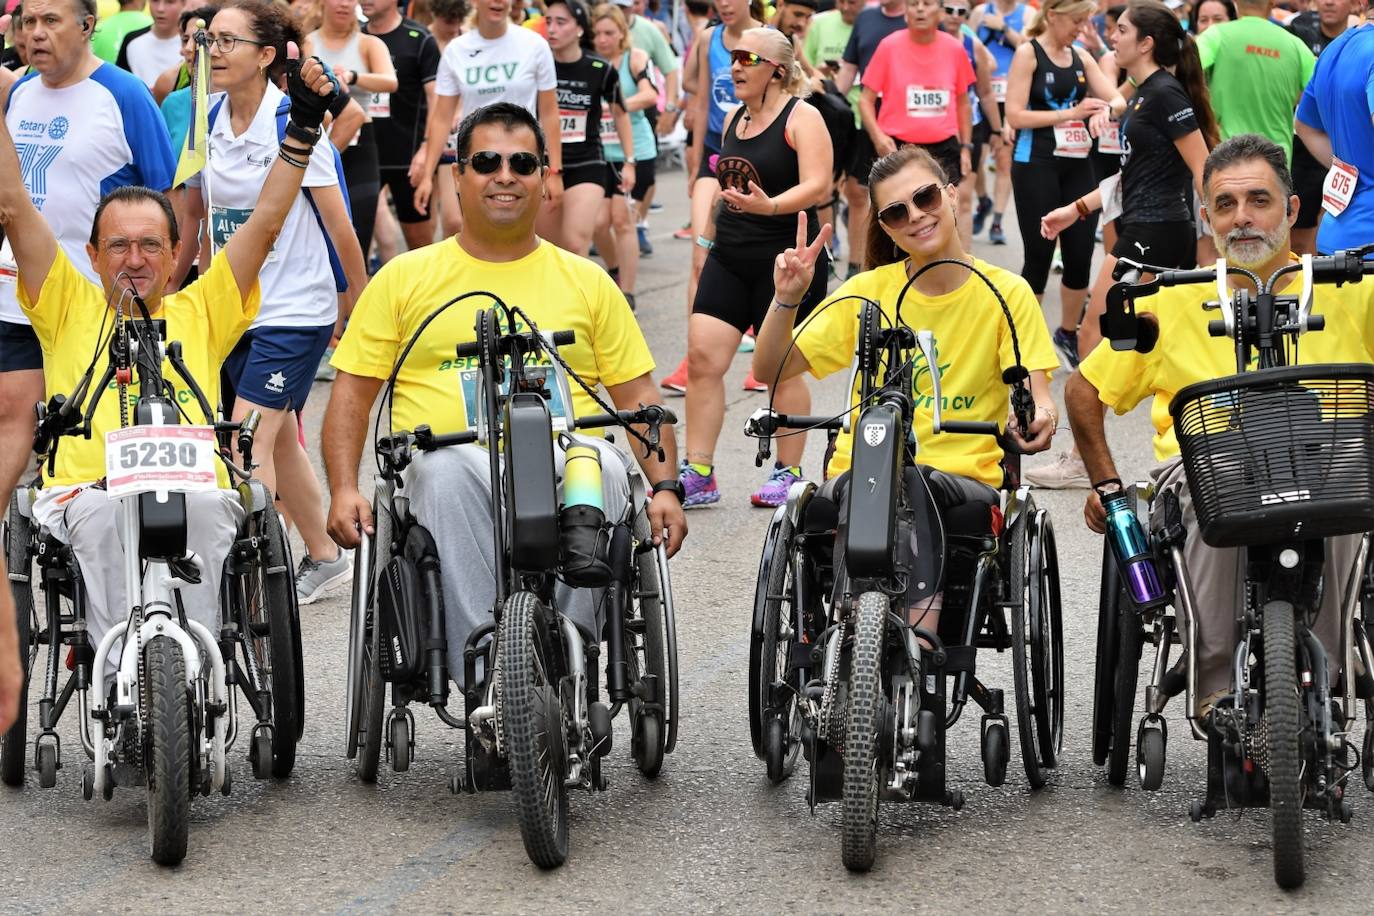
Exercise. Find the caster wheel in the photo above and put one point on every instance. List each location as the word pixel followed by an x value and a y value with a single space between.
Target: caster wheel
pixel 1346 812
pixel 1195 812
pixel 107 793
pixel 1149 757
pixel 88 781
pixel 775 749
pixel 227 786
pixel 599 720
pixel 400 744
pixel 996 753
pixel 260 755
pixel 1367 758
pixel 47 766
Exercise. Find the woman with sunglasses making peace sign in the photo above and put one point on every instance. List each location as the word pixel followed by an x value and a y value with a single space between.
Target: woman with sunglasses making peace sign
pixel 913 205
pixel 775 161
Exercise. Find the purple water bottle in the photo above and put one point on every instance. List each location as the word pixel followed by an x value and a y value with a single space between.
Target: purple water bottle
pixel 1133 557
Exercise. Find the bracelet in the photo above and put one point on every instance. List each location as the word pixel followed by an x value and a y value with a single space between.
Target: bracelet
pixel 296 150
pixel 353 78
pixel 286 157
pixel 779 304
pixel 1082 209
pixel 1051 413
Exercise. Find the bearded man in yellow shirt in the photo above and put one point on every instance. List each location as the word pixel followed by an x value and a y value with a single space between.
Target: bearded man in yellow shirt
pixel 500 174
pixel 133 246
pixel 1249 198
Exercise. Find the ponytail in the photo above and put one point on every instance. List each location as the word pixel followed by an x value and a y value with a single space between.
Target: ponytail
pixel 1040 21
pixel 779 48
pixel 1175 50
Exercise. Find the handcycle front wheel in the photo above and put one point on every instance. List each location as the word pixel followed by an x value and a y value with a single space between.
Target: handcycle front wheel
pixel 13 746
pixel 167 750
pixel 863 767
pixel 1282 717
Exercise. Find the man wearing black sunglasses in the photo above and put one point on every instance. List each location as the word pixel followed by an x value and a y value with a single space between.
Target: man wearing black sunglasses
pixel 500 174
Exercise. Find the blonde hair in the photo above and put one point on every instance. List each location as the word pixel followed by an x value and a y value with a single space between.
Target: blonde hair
pixel 612 12
pixel 778 48
pixel 1068 7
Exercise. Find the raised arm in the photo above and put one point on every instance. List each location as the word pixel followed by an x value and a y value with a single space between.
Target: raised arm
pixel 31 241
pixel 312 88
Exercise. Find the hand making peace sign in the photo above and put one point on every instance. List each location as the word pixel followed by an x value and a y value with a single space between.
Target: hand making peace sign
pixel 794 268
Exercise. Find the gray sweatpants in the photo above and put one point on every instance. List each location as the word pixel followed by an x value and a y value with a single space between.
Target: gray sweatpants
pixel 1217 576
pixel 450 495
pixel 93 530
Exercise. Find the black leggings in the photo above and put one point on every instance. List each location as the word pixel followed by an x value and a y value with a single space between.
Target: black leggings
pixel 1040 187
pixel 363 177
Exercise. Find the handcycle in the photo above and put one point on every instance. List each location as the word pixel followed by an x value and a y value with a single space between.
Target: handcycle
pixel 1277 458
pixel 534 719
pixel 172 716
pixel 835 670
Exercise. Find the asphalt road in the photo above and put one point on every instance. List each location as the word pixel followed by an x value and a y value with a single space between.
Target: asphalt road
pixel 710 834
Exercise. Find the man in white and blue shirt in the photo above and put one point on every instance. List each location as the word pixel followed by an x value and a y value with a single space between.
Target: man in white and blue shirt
pixel 82 127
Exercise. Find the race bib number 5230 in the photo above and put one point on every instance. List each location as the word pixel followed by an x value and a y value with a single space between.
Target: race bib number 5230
pixel 159 459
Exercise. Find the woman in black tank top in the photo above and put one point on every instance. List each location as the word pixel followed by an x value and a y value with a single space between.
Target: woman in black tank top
pixel 775 162
pixel 1054 91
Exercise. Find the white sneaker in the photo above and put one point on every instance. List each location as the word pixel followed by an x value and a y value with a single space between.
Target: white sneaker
pixel 1066 472
pixel 314 578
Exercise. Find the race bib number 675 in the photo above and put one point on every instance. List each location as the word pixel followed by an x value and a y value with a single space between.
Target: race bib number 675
pixel 159 459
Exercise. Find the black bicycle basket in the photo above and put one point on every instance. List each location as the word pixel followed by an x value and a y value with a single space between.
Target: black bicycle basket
pixel 1281 454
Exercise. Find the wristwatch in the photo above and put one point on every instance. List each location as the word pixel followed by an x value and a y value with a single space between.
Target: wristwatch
pixel 672 485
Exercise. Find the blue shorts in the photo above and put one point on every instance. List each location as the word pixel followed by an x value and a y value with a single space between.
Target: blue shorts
pixel 19 348
pixel 275 367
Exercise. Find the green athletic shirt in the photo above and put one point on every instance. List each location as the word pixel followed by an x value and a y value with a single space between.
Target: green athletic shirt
pixel 110 32
pixel 646 36
pixel 826 40
pixel 1256 72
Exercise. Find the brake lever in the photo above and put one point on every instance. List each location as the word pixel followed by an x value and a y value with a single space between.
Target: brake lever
pixel 761 425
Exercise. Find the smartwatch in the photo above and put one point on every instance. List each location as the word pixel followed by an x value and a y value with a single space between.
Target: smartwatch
pixel 672 485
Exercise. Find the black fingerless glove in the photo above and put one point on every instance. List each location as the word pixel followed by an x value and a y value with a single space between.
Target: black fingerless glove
pixel 308 106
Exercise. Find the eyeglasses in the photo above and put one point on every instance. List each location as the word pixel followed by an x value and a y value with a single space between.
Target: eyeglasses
pixel 957 10
pixel 487 162
pixel 749 59
pixel 226 43
pixel 927 199
pixel 151 245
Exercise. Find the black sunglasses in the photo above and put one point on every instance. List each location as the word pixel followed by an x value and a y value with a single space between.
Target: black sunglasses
pixel 487 162
pixel 927 199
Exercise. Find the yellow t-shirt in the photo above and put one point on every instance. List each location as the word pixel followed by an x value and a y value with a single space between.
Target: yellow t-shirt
pixel 559 291
pixel 1187 354
pixel 974 346
pixel 208 317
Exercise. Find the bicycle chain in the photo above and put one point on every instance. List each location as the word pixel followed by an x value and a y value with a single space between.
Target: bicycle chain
pixel 831 726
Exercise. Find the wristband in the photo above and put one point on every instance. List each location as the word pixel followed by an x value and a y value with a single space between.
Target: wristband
pixel 303 134
pixel 286 157
pixel 353 78
pixel 671 485
pixel 295 150
pixel 1082 208
pixel 779 304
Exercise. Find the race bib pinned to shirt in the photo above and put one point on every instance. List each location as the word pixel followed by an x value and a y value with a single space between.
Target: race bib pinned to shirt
pixel 608 134
pixel 999 88
pixel 922 102
pixel 159 459
pixel 1339 186
pixel 1072 140
pixel 572 126
pixel 380 106
pixel 225 221
pixel 1109 144
pixel 9 270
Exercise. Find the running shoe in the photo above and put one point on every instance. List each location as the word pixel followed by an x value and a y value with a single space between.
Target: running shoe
pixel 980 215
pixel 314 578
pixel 645 249
pixel 1066 472
pixel 996 235
pixel 700 490
pixel 655 207
pixel 753 384
pixel 325 372
pixel 746 343
pixel 1066 342
pixel 773 493
pixel 1057 264
pixel 676 381
pixel 684 234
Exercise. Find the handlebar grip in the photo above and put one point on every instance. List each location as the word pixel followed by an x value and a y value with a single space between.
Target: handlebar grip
pixel 468 350
pixel 1216 327
pixel 971 427
pixel 1185 277
pixel 563 338
pixel 669 418
pixel 463 438
pixel 596 421
pixel 1316 323
pixel 793 421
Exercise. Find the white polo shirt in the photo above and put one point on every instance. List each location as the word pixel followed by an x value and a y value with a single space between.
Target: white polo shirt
pixel 513 68
pixel 149 56
pixel 297 282
pixel 75 145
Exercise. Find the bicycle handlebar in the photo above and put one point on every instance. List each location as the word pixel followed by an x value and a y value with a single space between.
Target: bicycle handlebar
pixel 474 348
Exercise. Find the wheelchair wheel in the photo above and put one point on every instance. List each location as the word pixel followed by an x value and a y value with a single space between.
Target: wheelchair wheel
pixel 13 746
pixel 761 670
pixel 1119 643
pixel 274 622
pixel 652 656
pixel 863 768
pixel 1282 721
pixel 366 690
pixel 167 750
pixel 1037 652
pixel 769 669
pixel 533 724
